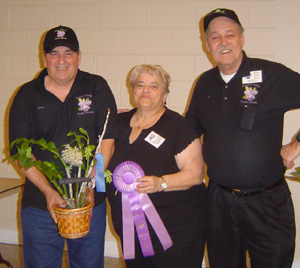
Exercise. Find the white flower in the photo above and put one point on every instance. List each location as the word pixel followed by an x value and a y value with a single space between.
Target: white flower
pixel 72 156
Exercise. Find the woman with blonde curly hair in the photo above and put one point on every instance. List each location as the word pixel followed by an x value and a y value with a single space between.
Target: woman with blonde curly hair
pixel 169 152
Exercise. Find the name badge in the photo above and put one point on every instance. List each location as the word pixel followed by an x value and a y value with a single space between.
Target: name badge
pixel 154 139
pixel 254 77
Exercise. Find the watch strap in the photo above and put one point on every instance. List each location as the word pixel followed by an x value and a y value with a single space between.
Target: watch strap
pixel 163 184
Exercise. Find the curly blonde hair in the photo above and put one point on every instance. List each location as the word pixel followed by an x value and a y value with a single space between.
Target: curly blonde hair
pixel 150 69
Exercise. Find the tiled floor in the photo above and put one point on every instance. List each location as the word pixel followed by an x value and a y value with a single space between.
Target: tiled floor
pixel 13 254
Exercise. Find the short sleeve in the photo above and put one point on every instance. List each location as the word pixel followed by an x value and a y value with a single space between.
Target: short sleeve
pixel 185 136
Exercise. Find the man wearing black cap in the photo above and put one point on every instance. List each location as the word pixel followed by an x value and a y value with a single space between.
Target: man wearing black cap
pixel 238 107
pixel 61 99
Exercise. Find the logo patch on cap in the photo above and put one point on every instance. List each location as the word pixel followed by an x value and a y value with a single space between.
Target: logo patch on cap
pixel 220 11
pixel 60 34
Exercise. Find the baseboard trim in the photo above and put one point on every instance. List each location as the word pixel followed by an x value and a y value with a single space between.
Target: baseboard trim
pixel 9 237
pixel 13 237
pixel 112 248
pixel 296 264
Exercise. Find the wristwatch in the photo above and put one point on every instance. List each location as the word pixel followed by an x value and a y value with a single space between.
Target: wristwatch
pixel 298 137
pixel 163 184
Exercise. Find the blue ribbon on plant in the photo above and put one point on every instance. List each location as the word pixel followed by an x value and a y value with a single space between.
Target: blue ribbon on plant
pixel 99 170
pixel 99 166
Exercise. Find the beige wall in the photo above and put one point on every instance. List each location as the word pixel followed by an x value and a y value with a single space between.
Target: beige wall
pixel 115 35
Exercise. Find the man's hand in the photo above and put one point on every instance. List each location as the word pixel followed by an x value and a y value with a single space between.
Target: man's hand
pixel 90 196
pixel 123 111
pixel 52 197
pixel 290 152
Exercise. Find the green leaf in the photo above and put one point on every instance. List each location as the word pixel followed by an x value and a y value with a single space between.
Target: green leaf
pixel 41 142
pixel 51 146
pixel 22 160
pixel 17 141
pixel 28 152
pixel 84 132
pixel 88 151
pixel 80 144
pixel 83 166
pixel 25 145
pixel 25 162
pixel 71 133
pixel 12 157
pixel 22 151
pixel 49 169
pixel 108 176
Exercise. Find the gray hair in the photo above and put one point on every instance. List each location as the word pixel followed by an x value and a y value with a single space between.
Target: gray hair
pixel 150 69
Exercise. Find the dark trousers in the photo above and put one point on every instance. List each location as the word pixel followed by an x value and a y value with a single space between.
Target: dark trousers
pixel 190 257
pixel 262 223
pixel 186 252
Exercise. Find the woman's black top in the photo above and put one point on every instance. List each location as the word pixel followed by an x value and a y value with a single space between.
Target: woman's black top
pixel 180 211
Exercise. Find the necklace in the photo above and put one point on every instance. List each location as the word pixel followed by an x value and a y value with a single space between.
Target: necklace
pixel 147 124
pixel 151 122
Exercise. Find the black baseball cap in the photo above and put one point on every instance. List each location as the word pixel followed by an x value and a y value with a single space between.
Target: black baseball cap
pixel 61 36
pixel 220 12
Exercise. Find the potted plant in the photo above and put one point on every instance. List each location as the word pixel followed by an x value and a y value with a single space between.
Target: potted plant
pixel 74 220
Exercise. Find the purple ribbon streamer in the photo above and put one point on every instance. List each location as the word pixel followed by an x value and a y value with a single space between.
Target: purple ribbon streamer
pixel 128 229
pixel 134 208
pixel 141 225
pixel 156 221
pixel 132 212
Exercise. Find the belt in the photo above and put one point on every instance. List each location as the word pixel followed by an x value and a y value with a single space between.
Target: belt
pixel 244 192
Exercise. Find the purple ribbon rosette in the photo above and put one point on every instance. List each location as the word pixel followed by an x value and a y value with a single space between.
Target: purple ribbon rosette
pixel 134 208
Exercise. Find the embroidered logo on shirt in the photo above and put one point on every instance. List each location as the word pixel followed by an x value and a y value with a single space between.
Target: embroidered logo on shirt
pixel 84 104
pixel 154 139
pixel 250 93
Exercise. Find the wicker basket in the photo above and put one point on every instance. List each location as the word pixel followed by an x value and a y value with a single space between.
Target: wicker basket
pixel 73 223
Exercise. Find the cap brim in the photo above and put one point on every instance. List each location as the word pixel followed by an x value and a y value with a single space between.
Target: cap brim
pixel 61 43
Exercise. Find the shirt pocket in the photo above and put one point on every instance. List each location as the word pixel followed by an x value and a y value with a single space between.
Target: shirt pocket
pixel 248 113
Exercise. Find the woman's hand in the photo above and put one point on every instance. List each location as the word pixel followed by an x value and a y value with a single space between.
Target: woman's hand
pixel 149 184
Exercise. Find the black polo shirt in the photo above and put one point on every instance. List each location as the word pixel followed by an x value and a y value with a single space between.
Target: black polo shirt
pixel 37 113
pixel 242 121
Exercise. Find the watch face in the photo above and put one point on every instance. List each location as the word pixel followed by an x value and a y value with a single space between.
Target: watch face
pixel 298 137
pixel 163 185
